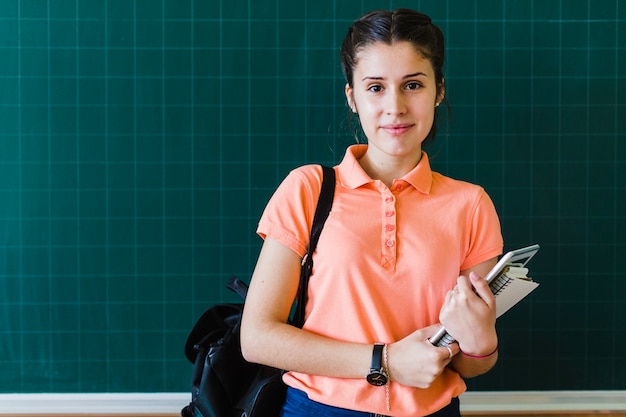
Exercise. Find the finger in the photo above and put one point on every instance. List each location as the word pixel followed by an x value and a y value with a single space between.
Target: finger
pixel 449 351
pixel 450 294
pixel 423 335
pixel 476 279
pixel 463 283
pixel 429 330
pixel 426 333
pixel 482 288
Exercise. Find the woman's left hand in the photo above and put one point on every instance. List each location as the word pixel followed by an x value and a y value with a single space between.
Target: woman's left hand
pixel 469 315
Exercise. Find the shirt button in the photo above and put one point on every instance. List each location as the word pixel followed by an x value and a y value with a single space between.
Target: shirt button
pixel 389 200
pixel 390 213
pixel 390 227
pixel 390 243
pixel 398 187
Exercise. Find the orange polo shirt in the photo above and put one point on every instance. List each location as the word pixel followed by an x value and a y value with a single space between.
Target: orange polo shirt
pixel 384 262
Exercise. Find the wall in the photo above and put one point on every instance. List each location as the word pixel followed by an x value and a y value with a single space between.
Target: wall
pixel 140 140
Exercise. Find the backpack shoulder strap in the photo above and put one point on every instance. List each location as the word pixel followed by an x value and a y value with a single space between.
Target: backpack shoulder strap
pixel 324 205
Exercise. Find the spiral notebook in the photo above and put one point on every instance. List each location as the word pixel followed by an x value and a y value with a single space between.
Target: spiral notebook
pixel 509 282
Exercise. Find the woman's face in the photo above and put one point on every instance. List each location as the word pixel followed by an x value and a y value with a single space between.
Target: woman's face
pixel 395 94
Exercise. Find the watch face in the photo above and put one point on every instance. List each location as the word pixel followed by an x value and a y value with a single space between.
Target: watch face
pixel 376 378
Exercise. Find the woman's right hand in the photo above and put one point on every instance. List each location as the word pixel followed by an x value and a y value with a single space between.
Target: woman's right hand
pixel 415 362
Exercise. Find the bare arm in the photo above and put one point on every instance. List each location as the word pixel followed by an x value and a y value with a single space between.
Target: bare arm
pixel 267 339
pixel 469 315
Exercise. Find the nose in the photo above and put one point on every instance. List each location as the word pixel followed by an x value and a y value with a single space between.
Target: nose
pixel 395 103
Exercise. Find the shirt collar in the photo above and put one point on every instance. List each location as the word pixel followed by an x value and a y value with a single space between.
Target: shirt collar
pixel 352 175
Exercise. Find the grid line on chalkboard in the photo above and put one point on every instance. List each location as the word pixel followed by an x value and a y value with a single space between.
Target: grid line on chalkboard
pixel 139 142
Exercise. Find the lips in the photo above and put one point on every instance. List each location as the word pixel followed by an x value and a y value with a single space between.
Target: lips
pixel 397 129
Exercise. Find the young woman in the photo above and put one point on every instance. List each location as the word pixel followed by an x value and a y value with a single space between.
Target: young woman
pixel 402 252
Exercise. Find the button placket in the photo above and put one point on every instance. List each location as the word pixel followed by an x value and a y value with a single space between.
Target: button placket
pixel 389 226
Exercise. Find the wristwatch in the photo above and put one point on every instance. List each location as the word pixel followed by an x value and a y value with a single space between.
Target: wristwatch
pixel 377 376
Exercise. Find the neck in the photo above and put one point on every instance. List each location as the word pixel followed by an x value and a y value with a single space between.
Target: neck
pixel 387 169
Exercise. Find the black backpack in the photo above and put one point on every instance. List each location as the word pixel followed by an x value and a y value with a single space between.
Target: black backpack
pixel 223 383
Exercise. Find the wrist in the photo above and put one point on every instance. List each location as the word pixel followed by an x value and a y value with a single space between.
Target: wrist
pixel 377 375
pixel 480 356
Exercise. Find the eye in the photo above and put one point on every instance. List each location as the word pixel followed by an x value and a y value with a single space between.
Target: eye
pixel 375 88
pixel 413 85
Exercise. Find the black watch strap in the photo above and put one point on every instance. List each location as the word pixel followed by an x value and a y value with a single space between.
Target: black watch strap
pixel 377 357
pixel 377 375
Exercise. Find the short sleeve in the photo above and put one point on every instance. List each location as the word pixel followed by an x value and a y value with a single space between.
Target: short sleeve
pixel 485 234
pixel 289 213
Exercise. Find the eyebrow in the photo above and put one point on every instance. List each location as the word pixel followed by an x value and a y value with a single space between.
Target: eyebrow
pixel 415 74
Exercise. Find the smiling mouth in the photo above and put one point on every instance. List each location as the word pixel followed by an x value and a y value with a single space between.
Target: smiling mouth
pixel 398 129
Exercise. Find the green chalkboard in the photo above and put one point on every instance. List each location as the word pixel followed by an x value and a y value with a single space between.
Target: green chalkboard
pixel 140 140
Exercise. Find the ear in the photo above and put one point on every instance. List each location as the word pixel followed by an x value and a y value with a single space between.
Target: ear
pixel 442 93
pixel 350 98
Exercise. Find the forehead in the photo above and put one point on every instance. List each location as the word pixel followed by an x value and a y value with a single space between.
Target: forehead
pixel 387 60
